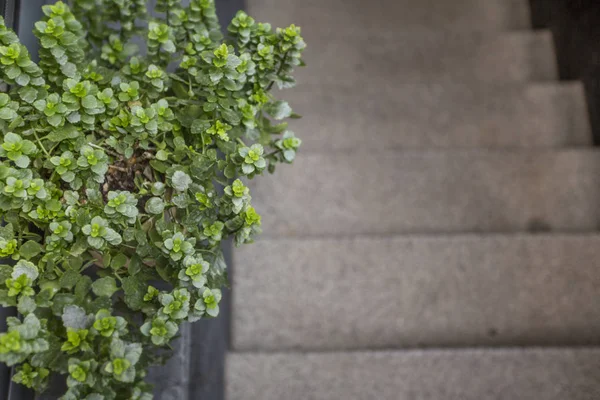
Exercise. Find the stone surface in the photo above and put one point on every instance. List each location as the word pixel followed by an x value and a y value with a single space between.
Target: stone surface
pixel 377 59
pixel 514 374
pixel 434 291
pixel 172 380
pixel 348 116
pixel 387 192
pixel 347 15
pixel 412 233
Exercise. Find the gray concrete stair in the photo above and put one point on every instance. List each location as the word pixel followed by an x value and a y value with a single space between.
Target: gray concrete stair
pixel 436 237
pixel 439 115
pixel 443 191
pixel 378 58
pixel 512 374
pixel 416 291
pixel 462 15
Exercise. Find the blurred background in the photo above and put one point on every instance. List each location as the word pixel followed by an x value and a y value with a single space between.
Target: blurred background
pixel 436 237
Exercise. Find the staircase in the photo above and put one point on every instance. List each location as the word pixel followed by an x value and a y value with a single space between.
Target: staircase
pixel 436 237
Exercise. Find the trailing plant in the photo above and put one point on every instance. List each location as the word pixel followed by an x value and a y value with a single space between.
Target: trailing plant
pixel 121 174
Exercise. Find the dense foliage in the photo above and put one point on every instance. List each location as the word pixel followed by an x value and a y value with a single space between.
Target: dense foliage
pixel 121 173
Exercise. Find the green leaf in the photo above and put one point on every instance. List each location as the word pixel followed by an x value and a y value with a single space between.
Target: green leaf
pixel 30 249
pixel 48 42
pixel 26 305
pixel 135 265
pixel 155 205
pixel 75 317
pixel 134 290
pixel 69 279
pixel 64 133
pixel 105 286
pixel 22 161
pixel 83 287
pixel 25 268
pixel 181 181
pixel 231 116
pixel 89 102
pixel 69 69
pixel 162 155
pixel 22 80
pixel 55 120
pixel 230 171
pixel 7 231
pixel 159 166
pixel 199 126
pixel 28 94
pixel 7 113
pixel 60 301
pixel 118 261
pixel 279 109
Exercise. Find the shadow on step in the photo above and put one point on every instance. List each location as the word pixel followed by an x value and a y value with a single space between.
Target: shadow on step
pixel 575 25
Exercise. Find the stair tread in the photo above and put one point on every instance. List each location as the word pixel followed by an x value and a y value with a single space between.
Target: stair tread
pixel 387 58
pixel 431 191
pixel 414 291
pixel 548 374
pixel 347 116
pixel 466 15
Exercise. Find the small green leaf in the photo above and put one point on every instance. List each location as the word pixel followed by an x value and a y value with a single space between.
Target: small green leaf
pixel 28 94
pixel 135 265
pixel 155 205
pixel 30 249
pixel 181 181
pixel 134 290
pixel 69 279
pixel 105 286
pixel 7 113
pixel 279 109
pixel 26 305
pixel 162 155
pixel 118 261
pixel 75 317
pixel 231 116
pixel 64 133
pixel 89 102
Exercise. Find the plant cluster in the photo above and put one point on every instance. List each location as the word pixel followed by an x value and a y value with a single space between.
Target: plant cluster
pixel 120 175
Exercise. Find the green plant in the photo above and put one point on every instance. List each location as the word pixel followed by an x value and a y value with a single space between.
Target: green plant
pixel 119 177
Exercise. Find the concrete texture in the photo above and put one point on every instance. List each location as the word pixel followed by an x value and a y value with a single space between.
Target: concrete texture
pixel 398 292
pixel 378 58
pixel 463 15
pixel 425 115
pixel 389 192
pixel 519 374
pixel 433 153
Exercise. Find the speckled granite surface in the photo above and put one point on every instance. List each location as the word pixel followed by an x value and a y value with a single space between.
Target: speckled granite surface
pixel 515 374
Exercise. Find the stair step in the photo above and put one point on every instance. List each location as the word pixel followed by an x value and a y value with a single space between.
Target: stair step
pixel 387 59
pixel 512 374
pixel 465 15
pixel 396 292
pixel 349 116
pixel 441 191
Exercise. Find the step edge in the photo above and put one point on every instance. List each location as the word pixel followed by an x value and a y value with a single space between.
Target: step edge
pixel 433 237
pixel 418 351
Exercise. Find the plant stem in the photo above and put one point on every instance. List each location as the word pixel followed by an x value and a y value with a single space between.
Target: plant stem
pixel 279 70
pixel 118 168
pixel 37 138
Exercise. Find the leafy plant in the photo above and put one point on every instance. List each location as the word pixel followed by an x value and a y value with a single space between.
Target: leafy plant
pixel 120 176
